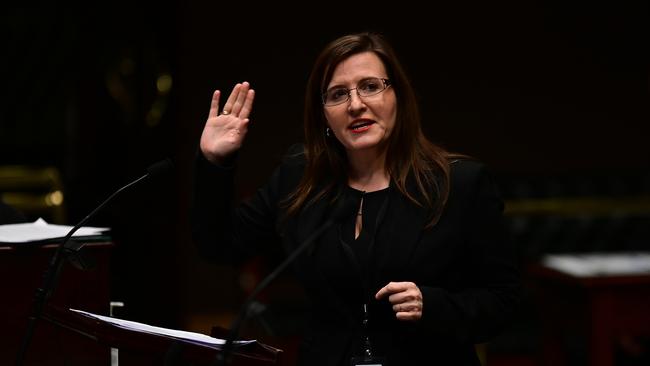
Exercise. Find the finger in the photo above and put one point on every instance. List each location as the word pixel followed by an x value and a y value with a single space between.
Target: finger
pixel 408 311
pixel 248 104
pixel 405 296
pixel 408 307
pixel 231 98
pixel 410 316
pixel 241 97
pixel 386 290
pixel 214 104
pixel 391 288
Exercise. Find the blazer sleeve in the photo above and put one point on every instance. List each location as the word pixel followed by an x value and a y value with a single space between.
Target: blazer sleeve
pixel 482 306
pixel 229 232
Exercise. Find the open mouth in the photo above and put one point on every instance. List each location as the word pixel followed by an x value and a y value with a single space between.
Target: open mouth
pixel 360 126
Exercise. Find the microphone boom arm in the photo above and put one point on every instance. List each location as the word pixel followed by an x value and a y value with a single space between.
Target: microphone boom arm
pixel 223 356
pixel 54 268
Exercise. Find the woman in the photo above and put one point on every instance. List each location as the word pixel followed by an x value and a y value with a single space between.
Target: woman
pixel 421 270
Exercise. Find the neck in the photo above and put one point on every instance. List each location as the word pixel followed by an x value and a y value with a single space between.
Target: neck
pixel 367 171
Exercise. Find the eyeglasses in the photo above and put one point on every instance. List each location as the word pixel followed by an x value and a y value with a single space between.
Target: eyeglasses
pixel 365 88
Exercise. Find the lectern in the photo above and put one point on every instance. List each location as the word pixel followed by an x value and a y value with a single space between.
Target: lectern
pixel 65 337
pixel 21 272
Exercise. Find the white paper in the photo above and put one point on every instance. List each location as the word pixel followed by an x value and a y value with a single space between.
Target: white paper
pixel 41 230
pixel 600 264
pixel 179 334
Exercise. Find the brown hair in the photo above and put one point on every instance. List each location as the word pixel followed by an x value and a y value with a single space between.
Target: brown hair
pixel 409 153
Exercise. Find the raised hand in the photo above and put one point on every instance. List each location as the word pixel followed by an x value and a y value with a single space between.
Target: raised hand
pixel 406 299
pixel 224 132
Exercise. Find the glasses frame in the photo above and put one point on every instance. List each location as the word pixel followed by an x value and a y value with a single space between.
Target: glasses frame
pixel 385 81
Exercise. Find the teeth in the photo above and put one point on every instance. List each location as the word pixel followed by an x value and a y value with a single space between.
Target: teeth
pixel 359 125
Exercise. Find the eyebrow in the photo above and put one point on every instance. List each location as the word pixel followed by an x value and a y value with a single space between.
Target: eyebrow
pixel 360 80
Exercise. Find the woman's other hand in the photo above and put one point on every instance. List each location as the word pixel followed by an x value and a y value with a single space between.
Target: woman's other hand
pixel 406 299
pixel 225 129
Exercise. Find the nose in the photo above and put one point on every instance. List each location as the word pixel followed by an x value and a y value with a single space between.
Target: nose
pixel 356 103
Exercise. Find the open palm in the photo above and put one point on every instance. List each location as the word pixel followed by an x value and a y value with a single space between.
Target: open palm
pixel 224 132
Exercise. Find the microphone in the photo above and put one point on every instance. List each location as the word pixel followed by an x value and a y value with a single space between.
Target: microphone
pixel 54 268
pixel 343 207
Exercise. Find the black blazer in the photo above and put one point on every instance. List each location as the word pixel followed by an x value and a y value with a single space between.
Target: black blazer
pixel 465 265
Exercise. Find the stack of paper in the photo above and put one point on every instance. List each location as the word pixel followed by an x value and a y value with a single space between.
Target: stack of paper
pixel 179 334
pixel 40 230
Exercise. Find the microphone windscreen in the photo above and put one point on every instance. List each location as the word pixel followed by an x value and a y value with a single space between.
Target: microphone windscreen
pixel 160 168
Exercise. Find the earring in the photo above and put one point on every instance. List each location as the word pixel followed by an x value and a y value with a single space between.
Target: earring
pixel 327 132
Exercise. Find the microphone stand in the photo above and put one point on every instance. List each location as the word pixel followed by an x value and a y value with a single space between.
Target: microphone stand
pixel 343 207
pixel 223 357
pixel 51 274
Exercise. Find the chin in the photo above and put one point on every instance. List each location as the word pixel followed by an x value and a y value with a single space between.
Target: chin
pixel 364 145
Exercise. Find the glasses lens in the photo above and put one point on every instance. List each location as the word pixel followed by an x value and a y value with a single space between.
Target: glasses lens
pixel 371 86
pixel 335 96
pixel 366 88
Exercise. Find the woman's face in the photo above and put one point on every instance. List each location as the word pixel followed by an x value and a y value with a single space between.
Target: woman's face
pixel 361 123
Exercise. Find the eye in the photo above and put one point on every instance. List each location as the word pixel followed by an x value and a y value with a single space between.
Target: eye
pixel 337 94
pixel 370 85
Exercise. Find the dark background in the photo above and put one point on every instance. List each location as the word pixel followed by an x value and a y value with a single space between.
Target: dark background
pixel 537 90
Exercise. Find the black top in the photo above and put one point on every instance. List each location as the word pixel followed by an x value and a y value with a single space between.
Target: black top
pixel 373 207
pixel 464 265
pixel 372 202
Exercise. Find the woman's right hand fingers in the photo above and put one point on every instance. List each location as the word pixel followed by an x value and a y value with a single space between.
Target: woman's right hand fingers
pixel 240 101
pixel 214 105
pixel 225 130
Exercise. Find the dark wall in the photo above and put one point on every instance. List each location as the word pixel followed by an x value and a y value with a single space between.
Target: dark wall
pixel 526 87
pixel 533 89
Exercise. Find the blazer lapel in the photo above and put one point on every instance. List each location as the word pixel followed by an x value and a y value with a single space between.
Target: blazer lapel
pixel 306 223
